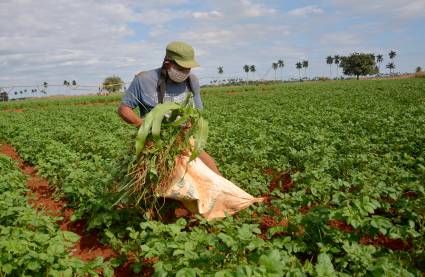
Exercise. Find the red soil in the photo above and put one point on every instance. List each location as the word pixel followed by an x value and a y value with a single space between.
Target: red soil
pixel 95 103
pixel 126 270
pixel 341 225
pixel 181 212
pixel 41 198
pixel 268 222
pixel 305 209
pixel 410 194
pixel 13 110
pixel 281 180
pixel 11 153
pixel 380 240
pixel 172 210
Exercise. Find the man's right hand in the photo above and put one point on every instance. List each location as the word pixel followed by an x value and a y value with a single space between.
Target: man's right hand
pixel 140 123
pixel 129 116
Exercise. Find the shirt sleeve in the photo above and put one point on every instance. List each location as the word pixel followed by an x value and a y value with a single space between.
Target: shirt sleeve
pixel 196 92
pixel 133 95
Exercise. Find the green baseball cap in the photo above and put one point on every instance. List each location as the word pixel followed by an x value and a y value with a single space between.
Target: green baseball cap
pixel 181 53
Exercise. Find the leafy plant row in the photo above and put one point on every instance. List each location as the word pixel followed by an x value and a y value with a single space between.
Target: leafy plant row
pixel 31 243
pixel 354 151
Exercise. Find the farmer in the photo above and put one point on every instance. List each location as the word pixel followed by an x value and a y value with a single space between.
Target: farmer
pixel 169 83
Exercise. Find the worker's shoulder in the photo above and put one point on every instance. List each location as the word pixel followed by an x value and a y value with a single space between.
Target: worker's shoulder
pixel 193 79
pixel 148 75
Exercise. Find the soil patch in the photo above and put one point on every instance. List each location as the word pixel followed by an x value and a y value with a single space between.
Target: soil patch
pixel 95 103
pixel 379 240
pixel 268 222
pixel 41 198
pixel 281 180
pixel 13 110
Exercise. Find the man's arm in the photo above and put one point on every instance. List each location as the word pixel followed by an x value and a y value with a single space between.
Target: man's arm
pixel 194 82
pixel 129 116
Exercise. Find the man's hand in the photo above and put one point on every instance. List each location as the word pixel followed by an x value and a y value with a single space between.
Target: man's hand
pixel 129 116
pixel 140 123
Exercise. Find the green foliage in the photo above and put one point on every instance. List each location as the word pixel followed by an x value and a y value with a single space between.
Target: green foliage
pixel 354 150
pixel 31 243
pixel 359 64
pixel 113 83
pixel 166 132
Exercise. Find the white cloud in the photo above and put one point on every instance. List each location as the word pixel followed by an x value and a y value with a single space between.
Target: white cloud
pixel 251 9
pixel 414 9
pixel 87 40
pixel 234 36
pixel 236 9
pixel 207 15
pixel 340 38
pixel 160 16
pixel 403 9
pixel 305 11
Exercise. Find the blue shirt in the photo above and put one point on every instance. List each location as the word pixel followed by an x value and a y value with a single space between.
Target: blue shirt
pixel 143 93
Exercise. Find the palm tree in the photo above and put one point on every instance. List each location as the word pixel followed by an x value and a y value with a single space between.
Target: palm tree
pixel 379 60
pixel 246 68
pixel 391 66
pixel 299 65
pixel 337 60
pixel 220 70
pixel 275 66
pixel 330 60
pixel 252 69
pixel 281 65
pixel 305 66
pixel 392 55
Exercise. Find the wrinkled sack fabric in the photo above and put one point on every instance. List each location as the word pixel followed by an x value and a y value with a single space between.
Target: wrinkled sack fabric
pixel 204 192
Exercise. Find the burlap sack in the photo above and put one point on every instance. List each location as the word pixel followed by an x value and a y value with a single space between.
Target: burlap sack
pixel 204 192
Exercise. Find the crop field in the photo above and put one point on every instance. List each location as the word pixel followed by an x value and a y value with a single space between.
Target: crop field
pixel 341 164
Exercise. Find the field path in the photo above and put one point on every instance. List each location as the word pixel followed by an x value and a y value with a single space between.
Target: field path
pixel 41 197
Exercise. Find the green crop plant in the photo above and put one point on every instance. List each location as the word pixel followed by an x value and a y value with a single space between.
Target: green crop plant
pixel 167 132
pixel 354 151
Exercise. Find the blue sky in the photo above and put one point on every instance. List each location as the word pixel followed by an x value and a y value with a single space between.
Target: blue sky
pixel 84 40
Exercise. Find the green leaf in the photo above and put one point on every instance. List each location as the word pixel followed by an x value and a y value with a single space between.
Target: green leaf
pixel 186 272
pixel 70 236
pixel 272 262
pixel 55 249
pixel 228 240
pixel 200 136
pixel 324 265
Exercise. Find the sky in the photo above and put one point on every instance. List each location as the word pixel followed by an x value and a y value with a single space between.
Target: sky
pixel 88 40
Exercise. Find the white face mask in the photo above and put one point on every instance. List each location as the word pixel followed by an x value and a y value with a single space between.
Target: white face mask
pixel 176 75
